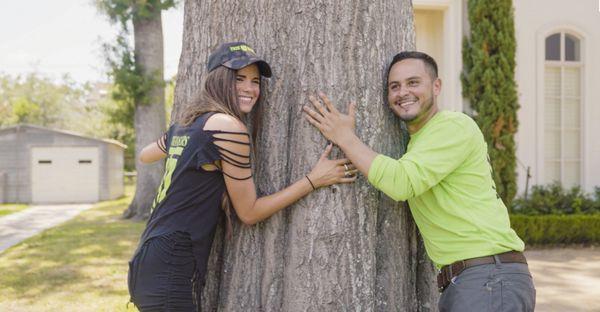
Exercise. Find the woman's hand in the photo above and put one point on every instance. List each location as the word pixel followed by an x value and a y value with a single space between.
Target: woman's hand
pixel 331 171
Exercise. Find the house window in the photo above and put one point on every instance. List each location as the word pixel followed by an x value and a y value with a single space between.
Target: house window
pixel 562 109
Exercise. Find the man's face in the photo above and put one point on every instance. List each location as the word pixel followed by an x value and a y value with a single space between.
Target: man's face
pixel 411 90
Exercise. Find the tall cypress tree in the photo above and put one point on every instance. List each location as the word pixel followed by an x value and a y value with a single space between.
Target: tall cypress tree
pixel 489 84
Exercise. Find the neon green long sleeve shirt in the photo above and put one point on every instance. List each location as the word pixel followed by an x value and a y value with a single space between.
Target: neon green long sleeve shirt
pixel 446 178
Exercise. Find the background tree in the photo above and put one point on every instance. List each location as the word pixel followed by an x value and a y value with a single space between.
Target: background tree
pixel 139 85
pixel 342 247
pixel 489 84
pixel 62 104
pixel 36 99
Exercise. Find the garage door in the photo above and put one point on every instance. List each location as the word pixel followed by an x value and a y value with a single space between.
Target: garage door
pixel 64 174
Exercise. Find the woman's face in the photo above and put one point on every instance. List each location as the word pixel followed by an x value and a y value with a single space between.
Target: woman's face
pixel 247 87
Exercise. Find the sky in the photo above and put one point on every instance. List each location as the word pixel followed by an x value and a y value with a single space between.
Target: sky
pixel 57 37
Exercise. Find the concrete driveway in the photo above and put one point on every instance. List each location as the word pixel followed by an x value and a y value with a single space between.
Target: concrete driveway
pixel 18 226
pixel 566 279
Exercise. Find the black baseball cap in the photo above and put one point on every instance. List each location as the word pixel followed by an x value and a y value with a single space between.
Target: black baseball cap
pixel 237 55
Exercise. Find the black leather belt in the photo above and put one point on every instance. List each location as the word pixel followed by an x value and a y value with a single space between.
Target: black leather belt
pixel 448 272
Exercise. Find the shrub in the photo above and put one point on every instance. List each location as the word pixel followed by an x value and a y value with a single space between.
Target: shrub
pixel 553 199
pixel 557 229
pixel 488 81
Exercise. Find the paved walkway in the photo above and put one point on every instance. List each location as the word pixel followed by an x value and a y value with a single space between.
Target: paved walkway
pixel 18 226
pixel 566 279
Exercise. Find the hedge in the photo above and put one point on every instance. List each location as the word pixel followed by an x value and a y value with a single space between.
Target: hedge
pixel 556 200
pixel 557 229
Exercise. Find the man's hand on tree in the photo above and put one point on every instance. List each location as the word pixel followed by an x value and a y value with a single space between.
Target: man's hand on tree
pixel 333 124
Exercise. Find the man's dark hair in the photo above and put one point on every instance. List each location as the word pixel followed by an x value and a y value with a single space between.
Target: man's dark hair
pixel 430 64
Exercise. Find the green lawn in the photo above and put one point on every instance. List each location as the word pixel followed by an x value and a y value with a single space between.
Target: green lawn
pixel 78 266
pixel 6 209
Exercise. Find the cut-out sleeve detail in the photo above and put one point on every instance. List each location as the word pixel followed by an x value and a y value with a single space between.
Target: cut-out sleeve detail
pixel 162 143
pixel 234 149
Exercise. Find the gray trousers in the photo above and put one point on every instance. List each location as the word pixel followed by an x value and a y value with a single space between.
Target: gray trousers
pixel 490 287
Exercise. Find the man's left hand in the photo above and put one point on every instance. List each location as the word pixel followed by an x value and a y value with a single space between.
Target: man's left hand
pixel 334 125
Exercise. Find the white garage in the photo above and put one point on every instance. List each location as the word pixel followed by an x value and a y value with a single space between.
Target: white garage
pixel 51 166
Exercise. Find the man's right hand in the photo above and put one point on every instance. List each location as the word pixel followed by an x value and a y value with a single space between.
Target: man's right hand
pixel 339 129
pixel 334 125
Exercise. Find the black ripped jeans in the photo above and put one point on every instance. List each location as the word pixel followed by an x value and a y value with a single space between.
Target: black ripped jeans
pixel 161 273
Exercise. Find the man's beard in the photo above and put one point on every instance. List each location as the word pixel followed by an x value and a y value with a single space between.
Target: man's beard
pixel 426 107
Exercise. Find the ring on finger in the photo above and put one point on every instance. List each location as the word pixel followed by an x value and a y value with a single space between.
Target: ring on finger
pixel 347 173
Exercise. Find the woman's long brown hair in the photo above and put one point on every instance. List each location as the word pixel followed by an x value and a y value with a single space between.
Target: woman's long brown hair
pixel 219 94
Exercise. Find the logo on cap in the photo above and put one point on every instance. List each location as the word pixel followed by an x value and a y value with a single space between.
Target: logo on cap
pixel 241 47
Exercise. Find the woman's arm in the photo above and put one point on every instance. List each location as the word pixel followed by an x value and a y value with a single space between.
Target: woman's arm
pixel 242 192
pixel 154 151
pixel 251 209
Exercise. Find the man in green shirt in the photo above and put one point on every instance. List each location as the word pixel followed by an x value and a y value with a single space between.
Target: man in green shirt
pixel 446 178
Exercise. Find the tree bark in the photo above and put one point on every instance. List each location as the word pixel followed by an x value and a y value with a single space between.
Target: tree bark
pixel 149 117
pixel 344 247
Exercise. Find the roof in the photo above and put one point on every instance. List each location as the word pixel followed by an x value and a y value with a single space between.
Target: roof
pixel 75 134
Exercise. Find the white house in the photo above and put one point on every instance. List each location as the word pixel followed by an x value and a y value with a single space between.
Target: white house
pixel 558 77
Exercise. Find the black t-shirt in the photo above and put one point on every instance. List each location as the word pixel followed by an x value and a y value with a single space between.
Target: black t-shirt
pixel 189 197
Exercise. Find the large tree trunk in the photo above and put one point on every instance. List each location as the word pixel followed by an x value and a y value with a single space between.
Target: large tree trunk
pixel 149 117
pixel 345 247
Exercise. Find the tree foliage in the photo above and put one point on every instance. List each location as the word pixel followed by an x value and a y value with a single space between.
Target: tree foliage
pixel 130 85
pixel 554 199
pixel 61 104
pixel 87 109
pixel 556 229
pixel 489 84
pixel 125 11
pixel 38 100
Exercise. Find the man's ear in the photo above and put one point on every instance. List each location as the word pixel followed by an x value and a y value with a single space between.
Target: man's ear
pixel 437 86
